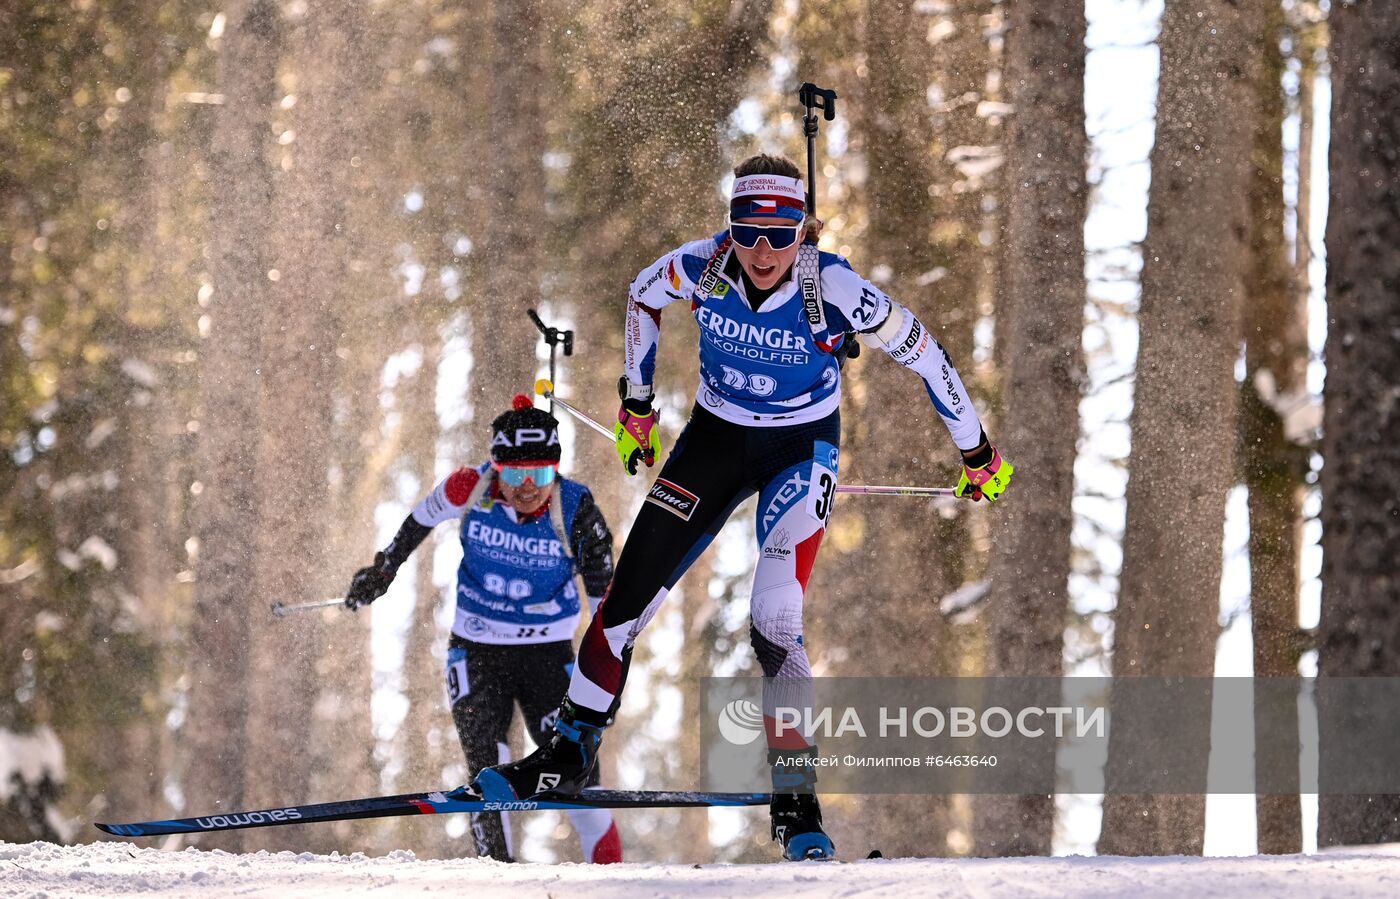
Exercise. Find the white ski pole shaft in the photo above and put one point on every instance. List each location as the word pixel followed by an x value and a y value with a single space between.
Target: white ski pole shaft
pixel 280 609
pixel 545 389
pixel 880 490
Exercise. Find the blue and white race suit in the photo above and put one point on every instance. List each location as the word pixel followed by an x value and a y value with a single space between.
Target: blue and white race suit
pixel 766 367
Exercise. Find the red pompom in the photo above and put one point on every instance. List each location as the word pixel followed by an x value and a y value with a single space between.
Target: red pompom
pixel 522 402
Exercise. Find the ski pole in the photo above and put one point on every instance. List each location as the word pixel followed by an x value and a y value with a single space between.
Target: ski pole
pixel 280 609
pixel 814 98
pixel 881 490
pixel 555 338
pixel 544 388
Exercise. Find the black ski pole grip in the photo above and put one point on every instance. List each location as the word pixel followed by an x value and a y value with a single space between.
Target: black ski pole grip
pixel 814 98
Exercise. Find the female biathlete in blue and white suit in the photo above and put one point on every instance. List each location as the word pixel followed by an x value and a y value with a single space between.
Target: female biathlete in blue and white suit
pixel 526 533
pixel 772 319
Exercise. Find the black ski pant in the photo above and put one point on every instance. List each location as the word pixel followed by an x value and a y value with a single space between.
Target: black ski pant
pixel 485 682
pixel 715 465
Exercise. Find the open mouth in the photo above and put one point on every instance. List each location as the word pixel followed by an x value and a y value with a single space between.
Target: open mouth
pixel 763 271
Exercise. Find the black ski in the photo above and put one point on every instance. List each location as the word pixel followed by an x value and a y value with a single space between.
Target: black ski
pixel 433 803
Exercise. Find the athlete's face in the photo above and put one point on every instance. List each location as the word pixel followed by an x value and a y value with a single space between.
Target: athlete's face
pixel 528 497
pixel 765 266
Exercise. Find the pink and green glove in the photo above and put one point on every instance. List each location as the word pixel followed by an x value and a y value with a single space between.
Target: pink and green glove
pixel 636 434
pixel 989 479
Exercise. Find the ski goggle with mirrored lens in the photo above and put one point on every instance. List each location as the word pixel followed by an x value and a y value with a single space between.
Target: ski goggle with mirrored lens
pixel 515 475
pixel 780 237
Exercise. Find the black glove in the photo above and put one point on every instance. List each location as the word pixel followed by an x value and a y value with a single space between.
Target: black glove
pixel 370 583
pixel 849 349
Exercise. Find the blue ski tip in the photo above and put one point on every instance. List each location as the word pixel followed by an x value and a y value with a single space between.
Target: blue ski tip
pixel 809 847
pixel 492 787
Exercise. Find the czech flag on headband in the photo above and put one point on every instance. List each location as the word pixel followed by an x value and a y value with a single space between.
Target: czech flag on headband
pixel 768 196
pixel 779 208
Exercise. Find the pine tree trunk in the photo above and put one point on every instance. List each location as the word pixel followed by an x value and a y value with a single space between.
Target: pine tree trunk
pixel 513 248
pixel 1360 628
pixel 1040 323
pixel 230 383
pixel 905 569
pixel 644 162
pixel 345 762
pixel 343 733
pixel 428 739
pixel 1183 416
pixel 964 166
pixel 1272 467
pixel 141 533
pixel 299 343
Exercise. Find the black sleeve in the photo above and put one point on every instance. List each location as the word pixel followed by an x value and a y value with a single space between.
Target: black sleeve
pixel 592 543
pixel 981 455
pixel 410 534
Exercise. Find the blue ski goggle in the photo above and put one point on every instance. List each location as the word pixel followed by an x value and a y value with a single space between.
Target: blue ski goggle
pixel 516 475
pixel 780 237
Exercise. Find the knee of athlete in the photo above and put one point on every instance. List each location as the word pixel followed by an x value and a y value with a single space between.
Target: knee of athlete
pixel 777 619
pixel 777 643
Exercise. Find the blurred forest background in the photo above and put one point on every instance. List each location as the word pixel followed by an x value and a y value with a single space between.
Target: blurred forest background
pixel 264 269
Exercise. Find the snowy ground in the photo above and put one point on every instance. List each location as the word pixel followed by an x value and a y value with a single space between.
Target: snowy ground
pixel 121 869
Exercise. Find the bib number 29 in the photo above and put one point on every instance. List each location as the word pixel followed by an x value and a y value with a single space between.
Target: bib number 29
pixel 758 385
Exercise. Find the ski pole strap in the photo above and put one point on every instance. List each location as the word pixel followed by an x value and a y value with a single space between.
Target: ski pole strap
pixel 556 516
pixel 710 277
pixel 809 279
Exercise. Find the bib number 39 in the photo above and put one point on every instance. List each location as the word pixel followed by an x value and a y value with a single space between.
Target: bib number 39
pixel 823 493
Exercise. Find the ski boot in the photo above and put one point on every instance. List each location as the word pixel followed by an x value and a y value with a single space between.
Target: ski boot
pixel 797 825
pixel 796 815
pixel 562 766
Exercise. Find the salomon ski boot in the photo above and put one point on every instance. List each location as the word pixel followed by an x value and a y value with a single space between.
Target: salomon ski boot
pixel 797 817
pixel 561 766
pixel 797 825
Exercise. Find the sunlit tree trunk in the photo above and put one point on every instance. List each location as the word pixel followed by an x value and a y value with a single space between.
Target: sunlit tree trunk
pixel 1360 629
pixel 627 200
pixel 965 158
pixel 1040 316
pixel 141 529
pixel 905 569
pixel 299 343
pixel 1183 416
pixel 513 183
pixel 428 738
pixel 697 663
pixel 243 166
